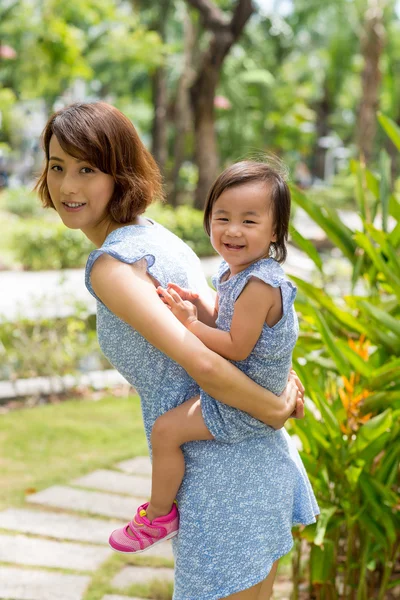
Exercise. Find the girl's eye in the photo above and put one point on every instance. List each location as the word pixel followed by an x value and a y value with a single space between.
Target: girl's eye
pixel 251 222
pixel 221 219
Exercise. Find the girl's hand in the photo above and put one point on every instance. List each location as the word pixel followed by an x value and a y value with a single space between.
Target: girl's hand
pixel 184 293
pixel 184 310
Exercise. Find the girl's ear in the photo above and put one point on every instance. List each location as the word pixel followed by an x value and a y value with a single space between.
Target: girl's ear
pixel 274 236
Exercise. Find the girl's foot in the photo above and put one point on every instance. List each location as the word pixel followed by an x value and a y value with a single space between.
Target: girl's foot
pixel 139 535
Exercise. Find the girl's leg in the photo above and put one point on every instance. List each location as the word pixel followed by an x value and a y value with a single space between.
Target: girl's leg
pixel 261 591
pixel 175 427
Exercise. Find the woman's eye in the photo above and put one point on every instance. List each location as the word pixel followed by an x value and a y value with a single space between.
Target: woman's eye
pixel 56 168
pixel 87 170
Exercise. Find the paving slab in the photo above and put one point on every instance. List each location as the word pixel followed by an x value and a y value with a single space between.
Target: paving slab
pixel 57 525
pixel 22 584
pixel 113 481
pixel 22 550
pixel 97 503
pixel 140 465
pixel 132 575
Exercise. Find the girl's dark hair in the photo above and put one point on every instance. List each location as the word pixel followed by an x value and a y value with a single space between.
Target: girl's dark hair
pixel 273 174
pixel 100 134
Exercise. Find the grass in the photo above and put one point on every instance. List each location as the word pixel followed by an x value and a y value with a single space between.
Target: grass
pixel 52 444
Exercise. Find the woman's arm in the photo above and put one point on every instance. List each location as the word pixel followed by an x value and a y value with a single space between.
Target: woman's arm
pixel 128 292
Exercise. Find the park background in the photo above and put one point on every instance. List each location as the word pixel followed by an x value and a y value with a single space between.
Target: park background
pixel 207 83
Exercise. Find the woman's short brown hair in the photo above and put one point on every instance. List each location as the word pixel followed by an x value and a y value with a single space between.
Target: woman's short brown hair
pixel 273 174
pixel 102 135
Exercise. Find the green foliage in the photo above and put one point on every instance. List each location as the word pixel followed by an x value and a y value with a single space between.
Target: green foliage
pixel 41 245
pixel 21 202
pixel 48 347
pixel 347 357
pixel 186 223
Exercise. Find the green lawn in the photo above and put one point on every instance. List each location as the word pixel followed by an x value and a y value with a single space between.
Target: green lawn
pixel 52 444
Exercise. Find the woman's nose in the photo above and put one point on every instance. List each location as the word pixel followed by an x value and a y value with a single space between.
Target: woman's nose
pixel 68 185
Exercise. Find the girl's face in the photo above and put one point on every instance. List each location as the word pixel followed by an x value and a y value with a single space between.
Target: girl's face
pixel 242 225
pixel 79 191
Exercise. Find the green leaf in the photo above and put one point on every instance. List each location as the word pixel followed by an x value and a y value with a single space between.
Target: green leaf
pixel 390 127
pixel 384 188
pixel 370 431
pixel 342 365
pixel 307 247
pixel 322 562
pixel 322 523
pixel 381 400
pixel 381 316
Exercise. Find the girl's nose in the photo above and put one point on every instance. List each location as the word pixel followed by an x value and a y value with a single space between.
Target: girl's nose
pixel 233 230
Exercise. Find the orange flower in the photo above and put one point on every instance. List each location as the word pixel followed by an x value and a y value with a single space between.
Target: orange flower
pixel 351 400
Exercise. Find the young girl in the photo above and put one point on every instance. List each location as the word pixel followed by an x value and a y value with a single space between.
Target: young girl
pixel 253 323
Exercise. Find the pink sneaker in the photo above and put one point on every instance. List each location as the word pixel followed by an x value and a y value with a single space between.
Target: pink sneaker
pixel 140 534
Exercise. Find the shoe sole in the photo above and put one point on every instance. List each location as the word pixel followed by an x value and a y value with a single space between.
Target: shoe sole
pixel 167 537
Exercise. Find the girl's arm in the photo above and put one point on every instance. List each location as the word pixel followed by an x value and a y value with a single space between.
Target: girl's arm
pixel 129 292
pixel 250 312
pixel 206 313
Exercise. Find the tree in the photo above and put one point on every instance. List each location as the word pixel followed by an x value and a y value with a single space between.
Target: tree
pixel 224 32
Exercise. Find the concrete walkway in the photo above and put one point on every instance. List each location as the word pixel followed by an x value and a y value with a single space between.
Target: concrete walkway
pixel 53 547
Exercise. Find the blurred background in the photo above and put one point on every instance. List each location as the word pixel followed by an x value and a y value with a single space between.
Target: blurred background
pixel 207 83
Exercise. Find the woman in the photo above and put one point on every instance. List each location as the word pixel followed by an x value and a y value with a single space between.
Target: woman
pixel 100 179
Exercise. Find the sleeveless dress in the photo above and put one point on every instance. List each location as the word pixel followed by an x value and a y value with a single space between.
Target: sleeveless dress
pixel 268 364
pixel 238 502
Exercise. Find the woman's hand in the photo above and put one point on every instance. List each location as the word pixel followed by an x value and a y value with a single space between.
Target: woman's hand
pixel 184 310
pixel 293 400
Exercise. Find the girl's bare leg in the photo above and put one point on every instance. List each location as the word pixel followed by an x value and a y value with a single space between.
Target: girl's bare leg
pixel 175 427
pixel 261 591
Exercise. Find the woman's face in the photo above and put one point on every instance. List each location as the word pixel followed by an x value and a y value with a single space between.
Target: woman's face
pixel 79 191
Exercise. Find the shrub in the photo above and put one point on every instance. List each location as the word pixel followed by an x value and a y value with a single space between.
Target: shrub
pixel 41 245
pixel 186 223
pixel 21 201
pixel 48 347
pixel 347 357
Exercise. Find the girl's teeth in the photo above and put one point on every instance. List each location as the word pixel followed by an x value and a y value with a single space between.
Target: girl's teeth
pixel 73 205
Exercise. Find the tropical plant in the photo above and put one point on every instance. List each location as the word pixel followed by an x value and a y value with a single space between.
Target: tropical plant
pixel 348 359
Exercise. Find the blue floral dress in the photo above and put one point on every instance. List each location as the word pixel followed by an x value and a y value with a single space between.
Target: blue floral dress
pixel 268 364
pixel 238 502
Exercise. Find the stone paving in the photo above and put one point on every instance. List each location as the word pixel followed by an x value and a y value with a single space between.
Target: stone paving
pixel 39 546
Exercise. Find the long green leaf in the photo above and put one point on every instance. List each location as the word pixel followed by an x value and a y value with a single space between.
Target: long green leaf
pixel 307 247
pixel 337 232
pixel 326 334
pixel 381 401
pixel 322 562
pixel 382 317
pixel 390 127
pixel 323 520
pixel 371 431
pixel 384 188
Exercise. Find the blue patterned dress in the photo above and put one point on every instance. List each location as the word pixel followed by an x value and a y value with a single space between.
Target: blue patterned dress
pixel 268 364
pixel 237 502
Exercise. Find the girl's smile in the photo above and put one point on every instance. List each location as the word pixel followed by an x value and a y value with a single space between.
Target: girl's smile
pixel 242 224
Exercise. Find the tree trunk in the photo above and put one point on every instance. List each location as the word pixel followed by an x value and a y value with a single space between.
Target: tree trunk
pixel 323 111
pixel 224 33
pixel 182 116
pixel 159 146
pixel 372 42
